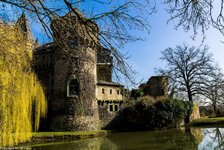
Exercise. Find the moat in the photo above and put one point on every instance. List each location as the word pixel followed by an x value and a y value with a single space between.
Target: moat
pixel 175 139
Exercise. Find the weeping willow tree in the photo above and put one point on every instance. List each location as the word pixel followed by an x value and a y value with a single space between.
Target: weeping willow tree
pixel 22 100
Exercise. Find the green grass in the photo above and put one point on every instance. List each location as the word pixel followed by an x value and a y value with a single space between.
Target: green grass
pixel 45 138
pixel 55 134
pixel 219 121
pixel 52 138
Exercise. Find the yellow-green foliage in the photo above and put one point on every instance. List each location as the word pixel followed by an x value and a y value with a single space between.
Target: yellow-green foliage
pixel 219 121
pixel 21 95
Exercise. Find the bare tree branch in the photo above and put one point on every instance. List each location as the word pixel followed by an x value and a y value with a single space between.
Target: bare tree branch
pixel 114 22
pixel 188 68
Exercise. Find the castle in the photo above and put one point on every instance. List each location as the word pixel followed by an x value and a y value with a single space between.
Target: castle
pixel 76 74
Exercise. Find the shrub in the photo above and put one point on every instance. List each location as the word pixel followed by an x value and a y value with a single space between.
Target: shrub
pixel 148 116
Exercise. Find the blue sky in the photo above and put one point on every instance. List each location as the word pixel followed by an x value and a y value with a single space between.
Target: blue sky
pixel 145 54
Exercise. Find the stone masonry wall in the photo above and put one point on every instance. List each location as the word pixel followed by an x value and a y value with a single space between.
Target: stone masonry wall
pixel 76 59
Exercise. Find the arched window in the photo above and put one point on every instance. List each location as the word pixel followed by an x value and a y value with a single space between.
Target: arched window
pixel 72 88
pixel 74 43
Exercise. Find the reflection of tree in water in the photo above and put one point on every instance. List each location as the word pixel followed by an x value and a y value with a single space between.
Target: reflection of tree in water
pixel 219 138
pixel 213 138
pixel 196 133
pixel 174 139
pixel 149 140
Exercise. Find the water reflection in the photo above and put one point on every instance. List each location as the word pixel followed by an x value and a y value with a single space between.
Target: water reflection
pixel 213 138
pixel 148 140
pixel 100 143
pixel 171 139
pixel 192 139
pixel 197 134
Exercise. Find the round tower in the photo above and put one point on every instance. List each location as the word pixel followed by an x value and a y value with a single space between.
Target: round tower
pixel 73 103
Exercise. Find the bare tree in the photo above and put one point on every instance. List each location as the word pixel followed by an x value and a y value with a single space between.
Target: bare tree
pixel 197 14
pixel 188 67
pixel 213 90
pixel 114 19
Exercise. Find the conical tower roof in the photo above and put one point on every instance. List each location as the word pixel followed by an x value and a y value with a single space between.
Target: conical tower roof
pixel 24 26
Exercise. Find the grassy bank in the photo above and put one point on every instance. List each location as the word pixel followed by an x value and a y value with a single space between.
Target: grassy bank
pixel 54 138
pixel 219 121
pixel 45 138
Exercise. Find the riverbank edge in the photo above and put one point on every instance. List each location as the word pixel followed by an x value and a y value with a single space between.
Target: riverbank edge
pixel 48 138
pixel 219 122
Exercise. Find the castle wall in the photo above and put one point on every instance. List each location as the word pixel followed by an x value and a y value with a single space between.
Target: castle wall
pixel 110 100
pixel 43 64
pixel 70 69
pixel 44 67
pixel 77 112
pixel 104 92
pixel 157 86
pixel 74 105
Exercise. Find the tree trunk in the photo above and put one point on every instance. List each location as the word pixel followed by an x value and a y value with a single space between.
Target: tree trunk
pixel 189 94
pixel 215 109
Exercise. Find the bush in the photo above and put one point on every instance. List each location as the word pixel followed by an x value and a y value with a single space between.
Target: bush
pixel 143 116
pixel 169 113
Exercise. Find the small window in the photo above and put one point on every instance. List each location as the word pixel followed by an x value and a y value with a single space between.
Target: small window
pixel 74 43
pixel 102 91
pixel 118 92
pixel 111 107
pixel 74 61
pixel 73 87
pixel 24 27
pixel 115 107
pixel 110 91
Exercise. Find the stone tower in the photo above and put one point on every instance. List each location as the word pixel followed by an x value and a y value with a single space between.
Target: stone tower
pixel 24 26
pixel 73 102
pixel 157 86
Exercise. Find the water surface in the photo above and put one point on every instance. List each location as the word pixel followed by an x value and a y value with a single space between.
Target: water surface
pixel 175 139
